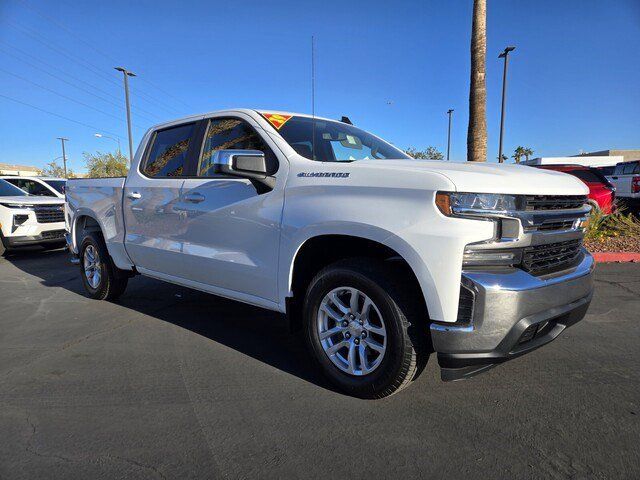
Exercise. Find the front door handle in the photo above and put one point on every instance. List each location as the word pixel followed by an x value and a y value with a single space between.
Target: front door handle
pixel 615 178
pixel 194 197
pixel 134 195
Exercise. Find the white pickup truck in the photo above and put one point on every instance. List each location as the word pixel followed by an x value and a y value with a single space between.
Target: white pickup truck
pixel 626 179
pixel 378 258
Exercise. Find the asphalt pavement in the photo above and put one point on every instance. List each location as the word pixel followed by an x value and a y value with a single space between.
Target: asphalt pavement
pixel 172 383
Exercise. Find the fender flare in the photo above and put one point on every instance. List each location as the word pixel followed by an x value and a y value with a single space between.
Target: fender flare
pixel 289 254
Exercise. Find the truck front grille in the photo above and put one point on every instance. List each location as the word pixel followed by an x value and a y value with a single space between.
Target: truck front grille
pixel 567 224
pixel 554 202
pixel 552 257
pixel 49 213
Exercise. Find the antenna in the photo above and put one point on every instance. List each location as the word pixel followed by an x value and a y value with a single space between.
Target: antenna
pixel 313 99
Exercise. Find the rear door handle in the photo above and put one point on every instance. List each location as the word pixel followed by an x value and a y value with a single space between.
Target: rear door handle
pixel 194 197
pixel 134 195
pixel 615 178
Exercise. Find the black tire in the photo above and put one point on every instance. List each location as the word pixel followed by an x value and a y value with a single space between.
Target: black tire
pixel 404 316
pixel 113 281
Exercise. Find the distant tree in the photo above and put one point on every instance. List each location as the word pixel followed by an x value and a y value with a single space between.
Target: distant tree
pixel 430 153
pixel 54 170
pixel 504 157
pixel 105 164
pixel 520 152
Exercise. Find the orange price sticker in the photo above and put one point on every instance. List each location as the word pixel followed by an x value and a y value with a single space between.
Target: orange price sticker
pixel 276 119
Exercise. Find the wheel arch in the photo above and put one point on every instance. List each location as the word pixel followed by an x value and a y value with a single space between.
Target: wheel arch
pixel 317 251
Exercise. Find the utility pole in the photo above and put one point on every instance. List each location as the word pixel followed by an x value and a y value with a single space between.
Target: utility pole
pixel 126 73
pixel 450 113
pixel 505 55
pixel 64 155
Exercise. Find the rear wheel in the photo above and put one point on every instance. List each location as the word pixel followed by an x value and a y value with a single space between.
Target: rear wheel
pixel 102 280
pixel 364 328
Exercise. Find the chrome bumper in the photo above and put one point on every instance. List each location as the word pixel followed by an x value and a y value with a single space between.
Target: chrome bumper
pixel 513 313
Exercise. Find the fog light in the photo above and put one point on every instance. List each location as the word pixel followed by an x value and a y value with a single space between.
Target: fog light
pixel 490 257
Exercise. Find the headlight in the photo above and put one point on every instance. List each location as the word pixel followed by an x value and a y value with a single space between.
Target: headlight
pixel 451 203
pixel 491 257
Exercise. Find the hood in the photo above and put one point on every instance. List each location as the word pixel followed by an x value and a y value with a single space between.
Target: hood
pixel 489 177
pixel 32 200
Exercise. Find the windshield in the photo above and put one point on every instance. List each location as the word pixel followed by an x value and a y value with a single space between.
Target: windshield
pixel 335 141
pixel 8 190
pixel 58 185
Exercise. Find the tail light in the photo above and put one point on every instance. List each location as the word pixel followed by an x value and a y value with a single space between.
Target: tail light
pixel 635 184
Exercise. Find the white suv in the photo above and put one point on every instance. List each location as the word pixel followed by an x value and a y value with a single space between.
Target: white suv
pixel 39 186
pixel 29 220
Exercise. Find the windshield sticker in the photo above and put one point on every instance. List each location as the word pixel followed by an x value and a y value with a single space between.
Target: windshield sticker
pixel 276 119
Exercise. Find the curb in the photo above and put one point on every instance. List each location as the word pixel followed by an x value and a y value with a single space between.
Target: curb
pixel 620 257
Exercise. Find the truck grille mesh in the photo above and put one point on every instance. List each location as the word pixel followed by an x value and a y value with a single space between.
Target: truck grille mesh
pixel 551 257
pixel 554 202
pixel 49 213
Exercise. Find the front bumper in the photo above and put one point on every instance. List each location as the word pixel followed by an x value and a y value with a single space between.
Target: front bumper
pixel 47 237
pixel 513 314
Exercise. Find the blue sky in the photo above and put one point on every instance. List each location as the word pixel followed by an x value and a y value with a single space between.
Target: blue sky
pixel 393 67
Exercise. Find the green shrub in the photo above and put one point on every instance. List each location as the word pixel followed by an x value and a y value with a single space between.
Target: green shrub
pixel 618 224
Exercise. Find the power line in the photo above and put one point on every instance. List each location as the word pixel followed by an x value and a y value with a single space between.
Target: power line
pixel 62 95
pixel 59 116
pixel 89 66
pixel 81 88
pixel 93 47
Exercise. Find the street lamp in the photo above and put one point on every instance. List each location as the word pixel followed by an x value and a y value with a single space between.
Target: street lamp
pixel 126 74
pixel 99 135
pixel 450 113
pixel 505 55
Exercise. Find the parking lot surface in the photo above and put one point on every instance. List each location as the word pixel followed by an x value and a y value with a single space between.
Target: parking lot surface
pixel 168 383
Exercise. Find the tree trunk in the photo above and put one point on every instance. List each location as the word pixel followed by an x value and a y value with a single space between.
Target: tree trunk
pixel 477 133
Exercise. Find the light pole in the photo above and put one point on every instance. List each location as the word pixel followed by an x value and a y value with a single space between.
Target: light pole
pixel 505 55
pixel 126 74
pixel 64 155
pixel 99 135
pixel 450 113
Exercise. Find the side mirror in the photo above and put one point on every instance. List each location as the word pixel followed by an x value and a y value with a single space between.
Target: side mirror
pixel 250 164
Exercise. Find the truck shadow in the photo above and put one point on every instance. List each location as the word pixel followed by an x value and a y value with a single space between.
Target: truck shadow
pixel 257 333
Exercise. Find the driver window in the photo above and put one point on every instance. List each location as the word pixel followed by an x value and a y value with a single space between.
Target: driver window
pixel 232 134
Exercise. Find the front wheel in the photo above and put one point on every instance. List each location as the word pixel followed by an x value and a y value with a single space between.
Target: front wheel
pixel 364 326
pixel 102 280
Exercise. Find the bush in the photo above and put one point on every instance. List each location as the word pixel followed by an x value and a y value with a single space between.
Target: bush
pixel 618 224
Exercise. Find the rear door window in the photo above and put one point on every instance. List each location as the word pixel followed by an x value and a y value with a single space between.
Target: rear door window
pixel 629 168
pixel 167 155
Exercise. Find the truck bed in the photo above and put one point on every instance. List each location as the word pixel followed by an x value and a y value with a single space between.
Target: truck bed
pixel 100 198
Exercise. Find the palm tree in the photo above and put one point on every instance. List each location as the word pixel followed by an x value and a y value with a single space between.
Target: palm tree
pixel 518 153
pixel 527 153
pixel 477 132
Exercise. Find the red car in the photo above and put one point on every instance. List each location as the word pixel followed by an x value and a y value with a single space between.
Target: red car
pixel 601 192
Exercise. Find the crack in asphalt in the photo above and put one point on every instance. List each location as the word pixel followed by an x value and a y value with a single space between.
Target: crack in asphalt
pixel 29 448
pixel 617 284
pixel 67 345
